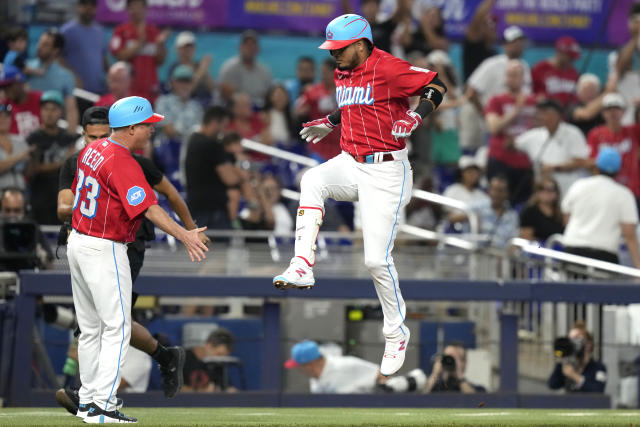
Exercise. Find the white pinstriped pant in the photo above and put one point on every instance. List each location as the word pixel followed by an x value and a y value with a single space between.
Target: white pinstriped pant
pixel 101 284
pixel 382 190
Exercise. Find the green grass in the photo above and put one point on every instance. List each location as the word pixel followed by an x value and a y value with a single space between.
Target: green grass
pixel 336 417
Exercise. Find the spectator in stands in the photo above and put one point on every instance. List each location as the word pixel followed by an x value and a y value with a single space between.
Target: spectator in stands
pixel 621 64
pixel 557 148
pixel 143 45
pixel 448 373
pixel 119 83
pixel 429 35
pixel 625 139
pixel 542 216
pixel 55 77
pixel 209 172
pixel 274 214
pixel 182 113
pixel 319 100
pixel 508 115
pixel 277 116
pixel 25 103
pixel 14 153
pixel 51 146
pixel 85 49
pixel 479 39
pixel 17 41
pixel 203 84
pixel 467 189
pixel 203 375
pixel 244 72
pixel 498 221
pixel 556 77
pixel 487 81
pixel 579 373
pixel 249 124
pixel 598 211
pixel 586 112
pixel 14 208
pixel 333 374
pixel 305 77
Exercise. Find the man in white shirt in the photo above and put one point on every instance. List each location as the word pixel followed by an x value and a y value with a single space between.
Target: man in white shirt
pixel 333 374
pixel 557 148
pixel 487 81
pixel 598 210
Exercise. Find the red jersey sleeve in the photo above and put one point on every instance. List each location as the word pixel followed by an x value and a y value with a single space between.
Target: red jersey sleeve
pixel 493 106
pixel 406 80
pixel 132 188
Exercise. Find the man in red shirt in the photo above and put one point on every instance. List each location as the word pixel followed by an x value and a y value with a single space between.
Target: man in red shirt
pixel 119 83
pixel 372 91
pixel 556 77
pixel 143 45
pixel 622 138
pixel 25 103
pixel 508 115
pixel 318 100
pixel 111 197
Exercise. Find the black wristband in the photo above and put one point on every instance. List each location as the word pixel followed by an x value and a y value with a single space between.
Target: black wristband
pixel 424 108
pixel 334 118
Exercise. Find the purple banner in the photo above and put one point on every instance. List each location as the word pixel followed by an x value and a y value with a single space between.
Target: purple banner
pixel 588 21
pixel 174 13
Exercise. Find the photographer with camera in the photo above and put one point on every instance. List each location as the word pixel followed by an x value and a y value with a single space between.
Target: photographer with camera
pixel 204 367
pixel 448 371
pixel 576 370
pixel 22 244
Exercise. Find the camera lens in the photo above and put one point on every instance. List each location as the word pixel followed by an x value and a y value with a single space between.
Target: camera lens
pixel 448 363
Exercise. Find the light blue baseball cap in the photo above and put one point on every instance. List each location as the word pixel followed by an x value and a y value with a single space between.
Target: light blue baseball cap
pixel 132 110
pixel 303 352
pixel 609 160
pixel 346 29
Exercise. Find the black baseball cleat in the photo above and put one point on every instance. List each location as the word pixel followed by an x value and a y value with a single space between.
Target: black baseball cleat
pixel 95 415
pixel 68 399
pixel 172 372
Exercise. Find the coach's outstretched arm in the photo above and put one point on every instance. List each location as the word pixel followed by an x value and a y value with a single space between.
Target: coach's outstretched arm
pixel 189 238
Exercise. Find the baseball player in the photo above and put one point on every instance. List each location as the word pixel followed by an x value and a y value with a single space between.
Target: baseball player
pixel 95 125
pixel 372 91
pixel 111 197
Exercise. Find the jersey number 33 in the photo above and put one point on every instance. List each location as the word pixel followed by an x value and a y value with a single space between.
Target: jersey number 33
pixel 87 207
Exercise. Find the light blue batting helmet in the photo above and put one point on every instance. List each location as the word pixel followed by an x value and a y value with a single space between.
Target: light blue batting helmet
pixel 609 160
pixel 131 111
pixel 346 29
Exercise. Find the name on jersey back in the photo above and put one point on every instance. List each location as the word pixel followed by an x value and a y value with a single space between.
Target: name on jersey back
pixel 92 158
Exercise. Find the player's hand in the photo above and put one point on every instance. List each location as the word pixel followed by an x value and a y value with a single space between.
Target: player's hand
pixel 315 130
pixel 404 127
pixel 204 239
pixel 194 246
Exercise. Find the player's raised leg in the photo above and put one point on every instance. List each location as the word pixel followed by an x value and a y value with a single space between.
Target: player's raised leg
pixel 331 179
pixel 388 189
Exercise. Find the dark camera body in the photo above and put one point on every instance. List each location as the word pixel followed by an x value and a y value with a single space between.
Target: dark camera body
pixel 569 350
pixel 18 242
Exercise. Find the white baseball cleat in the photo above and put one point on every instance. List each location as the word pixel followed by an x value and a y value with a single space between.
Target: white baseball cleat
pixel 394 351
pixel 299 275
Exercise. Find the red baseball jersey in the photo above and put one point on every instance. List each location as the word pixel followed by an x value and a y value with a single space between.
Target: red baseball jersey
pixel 372 96
pixel 626 142
pixel 144 65
pixel 25 117
pixel 553 82
pixel 111 192
pixel 501 105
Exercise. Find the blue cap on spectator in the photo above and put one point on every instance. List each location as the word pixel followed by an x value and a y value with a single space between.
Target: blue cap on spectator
pixel 132 110
pixel 303 352
pixel 182 72
pixel 609 160
pixel 10 74
pixel 52 96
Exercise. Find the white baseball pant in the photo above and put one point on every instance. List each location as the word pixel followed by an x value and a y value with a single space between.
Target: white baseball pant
pixel 101 284
pixel 382 190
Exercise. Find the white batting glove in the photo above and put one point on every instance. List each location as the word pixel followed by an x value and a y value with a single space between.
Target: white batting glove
pixel 404 127
pixel 315 130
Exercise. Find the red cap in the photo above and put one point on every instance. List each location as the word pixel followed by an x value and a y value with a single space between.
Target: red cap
pixel 568 45
pixel 155 118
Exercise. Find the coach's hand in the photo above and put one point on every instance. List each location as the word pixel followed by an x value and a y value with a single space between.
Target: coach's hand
pixel 193 244
pixel 404 127
pixel 204 239
pixel 315 130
